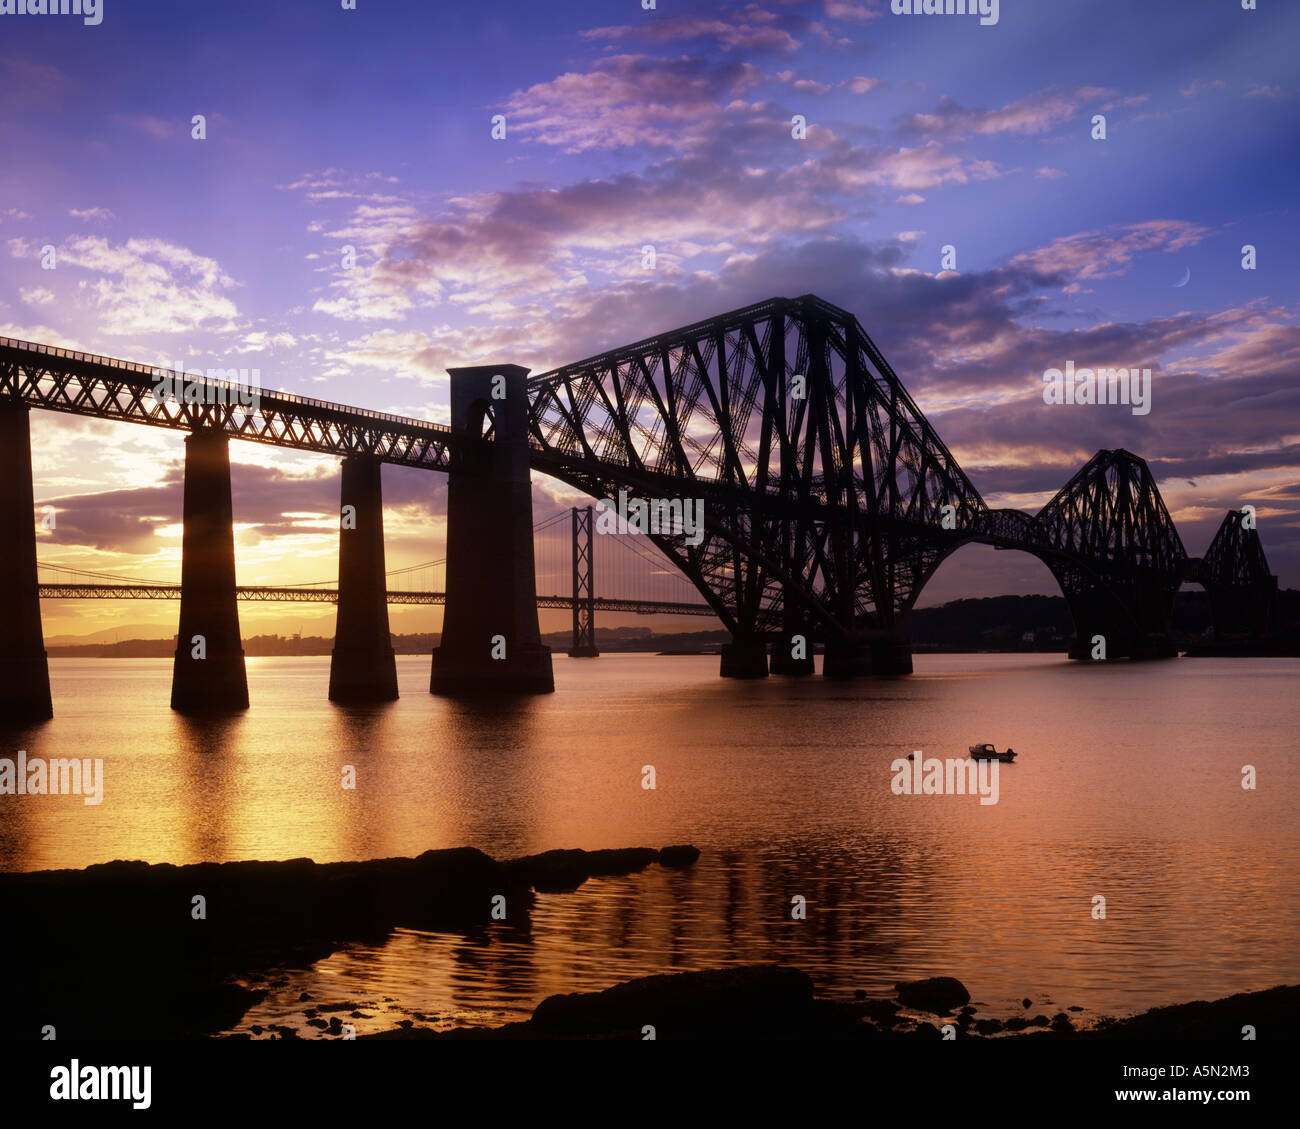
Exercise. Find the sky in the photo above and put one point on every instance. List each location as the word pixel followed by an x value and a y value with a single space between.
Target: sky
pixel 372 128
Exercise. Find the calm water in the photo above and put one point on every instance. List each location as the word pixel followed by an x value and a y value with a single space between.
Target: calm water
pixel 1128 786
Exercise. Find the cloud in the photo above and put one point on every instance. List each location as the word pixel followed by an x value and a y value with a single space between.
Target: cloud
pixel 738 29
pixel 29 85
pixel 630 100
pixel 94 215
pixel 1108 253
pixel 850 10
pixel 159 128
pixel 146 285
pixel 1035 114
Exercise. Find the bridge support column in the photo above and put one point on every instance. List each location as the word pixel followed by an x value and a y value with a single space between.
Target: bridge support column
pixel 209 674
pixel 363 667
pixel 24 670
pixel 846 659
pixel 744 658
pixel 490 639
pixel 890 656
pixel 784 651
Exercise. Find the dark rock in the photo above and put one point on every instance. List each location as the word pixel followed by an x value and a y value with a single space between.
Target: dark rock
pixel 256 1029
pixel 262 917
pixel 988 1026
pixel 745 1000
pixel 1015 1023
pixel 882 1012
pixel 859 993
pixel 1074 1007
pixel 939 994
pixel 1061 1023
pixel 1272 1009
pixel 968 1010
pixel 560 871
pixel 1026 1002
pixel 310 1013
pixel 305 997
pixel 678 856
pixel 925 1030
pixel 1038 1021
pixel 317 1023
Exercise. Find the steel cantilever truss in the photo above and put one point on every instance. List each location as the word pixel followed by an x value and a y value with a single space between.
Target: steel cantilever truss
pixel 822 481
pixel 1234 571
pixel 1115 553
pixel 829 498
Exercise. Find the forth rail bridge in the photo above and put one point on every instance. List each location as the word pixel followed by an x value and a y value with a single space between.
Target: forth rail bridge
pixel 829 502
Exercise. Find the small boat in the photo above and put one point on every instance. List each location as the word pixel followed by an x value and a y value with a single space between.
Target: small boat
pixel 988 752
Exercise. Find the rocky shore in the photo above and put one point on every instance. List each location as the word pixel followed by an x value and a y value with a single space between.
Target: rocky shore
pixel 773 1002
pixel 129 950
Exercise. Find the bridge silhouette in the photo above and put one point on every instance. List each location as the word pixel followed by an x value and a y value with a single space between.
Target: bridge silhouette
pixel 829 501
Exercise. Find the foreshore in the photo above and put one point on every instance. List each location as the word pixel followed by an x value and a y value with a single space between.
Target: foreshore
pixel 131 950
pixel 773 1002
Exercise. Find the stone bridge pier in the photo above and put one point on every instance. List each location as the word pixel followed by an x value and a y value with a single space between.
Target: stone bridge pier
pixel 363 667
pixel 24 671
pixel 209 674
pixel 490 640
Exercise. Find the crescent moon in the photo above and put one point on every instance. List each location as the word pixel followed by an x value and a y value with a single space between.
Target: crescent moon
pixel 1187 276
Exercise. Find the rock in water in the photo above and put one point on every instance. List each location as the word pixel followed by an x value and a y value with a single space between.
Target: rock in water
pixel 939 994
pixel 682 855
pixel 685 1004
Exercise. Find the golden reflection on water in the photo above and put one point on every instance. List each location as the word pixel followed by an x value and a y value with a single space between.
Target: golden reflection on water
pixel 1128 786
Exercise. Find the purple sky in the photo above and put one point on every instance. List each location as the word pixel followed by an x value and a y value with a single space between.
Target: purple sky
pixel 624 127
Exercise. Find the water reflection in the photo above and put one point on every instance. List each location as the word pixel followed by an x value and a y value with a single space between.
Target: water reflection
pixel 1128 785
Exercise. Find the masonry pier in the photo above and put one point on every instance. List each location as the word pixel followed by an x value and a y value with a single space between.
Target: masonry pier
pixel 209 674
pixel 24 670
pixel 744 657
pixel 490 638
pixel 363 666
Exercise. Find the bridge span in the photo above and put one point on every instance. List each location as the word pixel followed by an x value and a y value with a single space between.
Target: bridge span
pixel 829 501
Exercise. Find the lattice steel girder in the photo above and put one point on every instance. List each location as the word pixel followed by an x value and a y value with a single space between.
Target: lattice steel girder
pixel 1234 572
pixel 1116 553
pixel 1235 557
pixel 63 380
pixel 822 480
